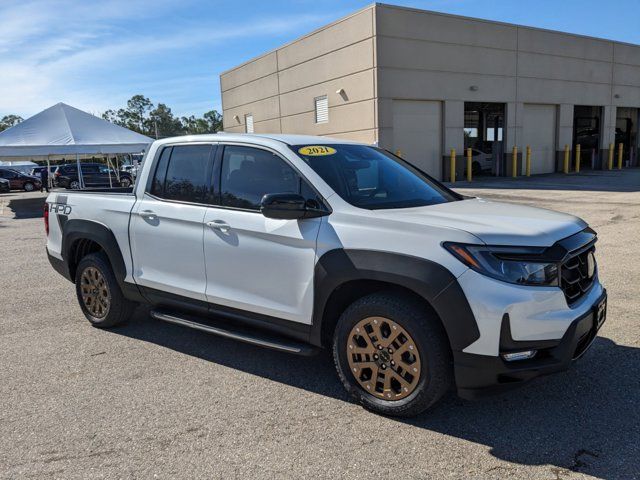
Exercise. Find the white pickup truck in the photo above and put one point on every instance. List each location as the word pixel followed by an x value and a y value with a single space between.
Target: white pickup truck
pixel 298 242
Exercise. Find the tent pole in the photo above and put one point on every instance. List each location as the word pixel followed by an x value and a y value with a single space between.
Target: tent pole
pixel 109 171
pixel 80 176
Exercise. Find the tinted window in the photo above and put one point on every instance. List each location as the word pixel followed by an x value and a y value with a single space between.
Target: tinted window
pixel 157 186
pixel 7 174
pixel 249 173
pixel 186 175
pixel 371 178
pixel 89 168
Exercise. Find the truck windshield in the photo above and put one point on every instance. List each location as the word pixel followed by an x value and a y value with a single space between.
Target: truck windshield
pixel 371 178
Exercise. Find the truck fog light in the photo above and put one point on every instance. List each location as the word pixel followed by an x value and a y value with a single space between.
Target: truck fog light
pixel 515 356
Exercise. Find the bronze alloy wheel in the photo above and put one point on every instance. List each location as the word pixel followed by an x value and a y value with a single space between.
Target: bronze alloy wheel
pixel 95 292
pixel 383 358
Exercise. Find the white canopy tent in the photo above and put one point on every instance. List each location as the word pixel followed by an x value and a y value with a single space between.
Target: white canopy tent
pixel 65 130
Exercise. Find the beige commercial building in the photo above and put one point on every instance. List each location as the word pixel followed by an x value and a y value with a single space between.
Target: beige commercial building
pixel 422 83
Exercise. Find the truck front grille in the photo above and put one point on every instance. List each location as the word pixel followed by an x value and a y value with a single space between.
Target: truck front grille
pixel 575 278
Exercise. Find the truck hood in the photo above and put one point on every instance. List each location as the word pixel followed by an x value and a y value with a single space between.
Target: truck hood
pixel 494 223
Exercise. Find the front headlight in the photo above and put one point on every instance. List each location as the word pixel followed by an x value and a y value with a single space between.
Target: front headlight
pixel 513 265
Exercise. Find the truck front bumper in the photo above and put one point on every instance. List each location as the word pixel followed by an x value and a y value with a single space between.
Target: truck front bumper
pixel 479 375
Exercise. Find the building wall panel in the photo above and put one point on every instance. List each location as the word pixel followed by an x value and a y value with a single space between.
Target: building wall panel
pixel 258 68
pixel 351 59
pixel 352 30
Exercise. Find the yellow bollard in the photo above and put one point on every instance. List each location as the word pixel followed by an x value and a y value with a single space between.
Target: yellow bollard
pixel 578 158
pixel 469 165
pixel 610 163
pixel 399 153
pixel 528 161
pixel 620 150
pixel 566 159
pixel 514 162
pixel 452 165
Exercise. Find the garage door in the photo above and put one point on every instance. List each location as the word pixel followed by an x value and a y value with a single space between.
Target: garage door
pixel 539 132
pixel 417 134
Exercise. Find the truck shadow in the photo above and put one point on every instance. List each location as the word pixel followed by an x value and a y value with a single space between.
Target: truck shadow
pixel 31 207
pixel 584 420
pixel 627 180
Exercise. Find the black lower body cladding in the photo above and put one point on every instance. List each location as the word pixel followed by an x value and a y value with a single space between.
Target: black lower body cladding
pixel 429 280
pixel 481 375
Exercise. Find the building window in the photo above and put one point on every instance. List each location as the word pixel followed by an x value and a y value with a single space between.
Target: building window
pixel 248 123
pixel 322 109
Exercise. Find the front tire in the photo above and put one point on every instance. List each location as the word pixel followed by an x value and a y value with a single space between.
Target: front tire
pixel 29 187
pixel 392 354
pixel 99 294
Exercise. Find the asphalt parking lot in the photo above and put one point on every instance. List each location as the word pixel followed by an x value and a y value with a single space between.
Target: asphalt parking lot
pixel 153 400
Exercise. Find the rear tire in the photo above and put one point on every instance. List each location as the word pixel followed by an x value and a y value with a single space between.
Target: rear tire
pixel 407 384
pixel 74 185
pixel 99 294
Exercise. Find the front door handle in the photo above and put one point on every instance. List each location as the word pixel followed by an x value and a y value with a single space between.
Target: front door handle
pixel 221 225
pixel 149 214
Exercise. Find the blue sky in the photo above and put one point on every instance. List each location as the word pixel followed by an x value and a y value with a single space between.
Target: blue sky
pixel 95 54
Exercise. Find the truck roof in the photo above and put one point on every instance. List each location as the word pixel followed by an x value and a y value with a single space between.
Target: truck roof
pixel 258 138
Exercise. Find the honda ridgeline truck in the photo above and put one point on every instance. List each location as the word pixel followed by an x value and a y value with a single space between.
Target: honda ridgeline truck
pixel 297 243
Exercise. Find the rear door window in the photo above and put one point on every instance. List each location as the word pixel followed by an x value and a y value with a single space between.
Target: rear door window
pixel 183 173
pixel 89 169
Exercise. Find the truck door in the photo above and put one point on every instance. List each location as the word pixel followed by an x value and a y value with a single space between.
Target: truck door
pixel 167 224
pixel 254 263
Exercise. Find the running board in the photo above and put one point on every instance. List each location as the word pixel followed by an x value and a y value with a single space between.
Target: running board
pixel 254 336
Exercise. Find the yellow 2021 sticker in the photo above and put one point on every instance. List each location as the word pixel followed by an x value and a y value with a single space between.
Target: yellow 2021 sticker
pixel 316 151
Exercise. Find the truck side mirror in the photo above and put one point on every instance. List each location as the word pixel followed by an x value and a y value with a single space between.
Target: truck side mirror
pixel 284 206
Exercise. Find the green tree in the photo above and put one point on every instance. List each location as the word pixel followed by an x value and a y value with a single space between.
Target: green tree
pixel 211 122
pixel 161 123
pixel 9 121
pixel 214 119
pixel 138 107
pixel 142 116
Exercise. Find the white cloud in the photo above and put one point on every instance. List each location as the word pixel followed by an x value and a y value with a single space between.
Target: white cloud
pixel 81 53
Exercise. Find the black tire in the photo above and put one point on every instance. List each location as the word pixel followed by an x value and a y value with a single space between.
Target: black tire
pixel 119 308
pixel 29 187
pixel 125 182
pixel 430 339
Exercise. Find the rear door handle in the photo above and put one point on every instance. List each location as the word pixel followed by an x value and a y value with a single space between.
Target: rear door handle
pixel 219 225
pixel 148 214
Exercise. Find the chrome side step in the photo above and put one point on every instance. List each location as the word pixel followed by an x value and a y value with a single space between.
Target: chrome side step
pixel 241 333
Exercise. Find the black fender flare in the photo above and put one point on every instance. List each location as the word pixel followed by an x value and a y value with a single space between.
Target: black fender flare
pixel 431 281
pixel 79 229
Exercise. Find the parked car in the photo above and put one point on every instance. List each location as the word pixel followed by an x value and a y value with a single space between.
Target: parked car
pixel 296 243
pixel 132 170
pixel 20 181
pixel 93 174
pixel 35 171
pixel 4 186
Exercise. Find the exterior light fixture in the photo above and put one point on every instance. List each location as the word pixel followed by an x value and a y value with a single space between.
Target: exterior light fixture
pixel 617 95
pixel 514 357
pixel 236 118
pixel 473 88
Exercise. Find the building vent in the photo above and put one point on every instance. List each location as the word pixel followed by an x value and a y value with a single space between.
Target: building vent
pixel 322 109
pixel 248 123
